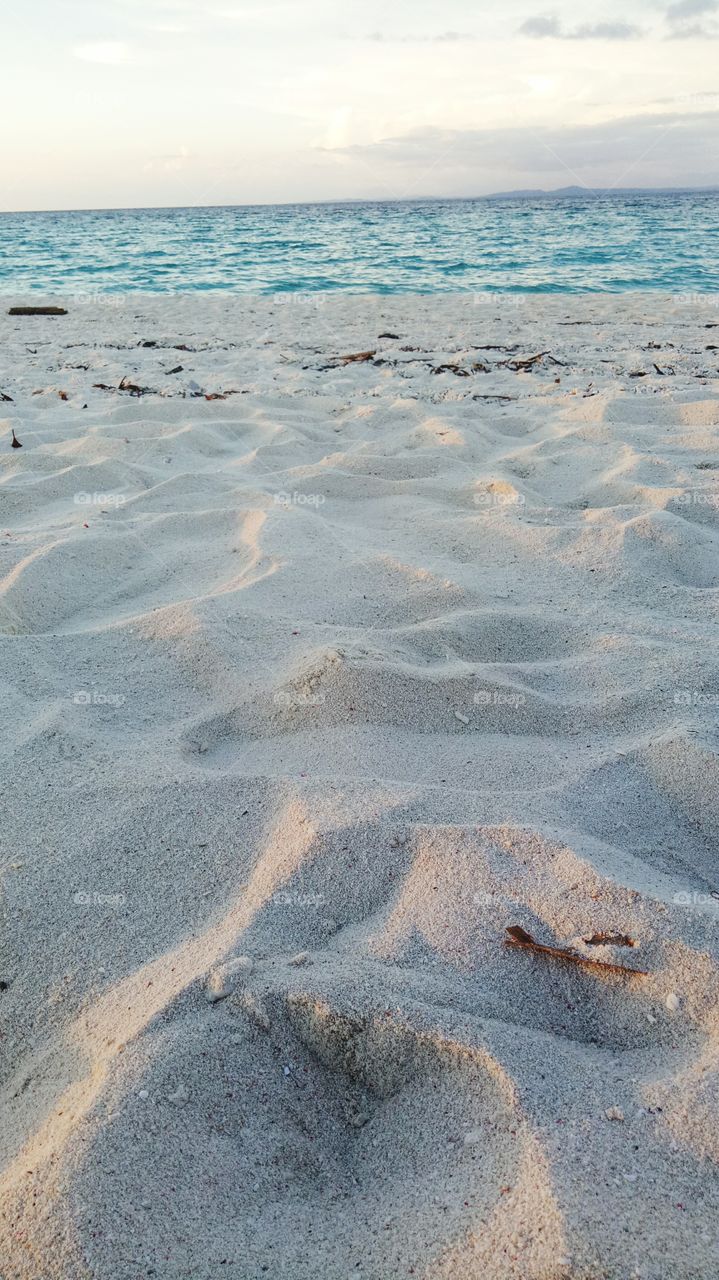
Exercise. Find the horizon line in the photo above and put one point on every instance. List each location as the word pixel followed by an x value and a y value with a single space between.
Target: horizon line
pixel 526 193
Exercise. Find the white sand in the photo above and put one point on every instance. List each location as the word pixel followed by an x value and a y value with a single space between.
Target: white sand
pixel 463 675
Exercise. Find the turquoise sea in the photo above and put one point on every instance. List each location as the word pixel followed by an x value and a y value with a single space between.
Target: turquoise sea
pixel 608 243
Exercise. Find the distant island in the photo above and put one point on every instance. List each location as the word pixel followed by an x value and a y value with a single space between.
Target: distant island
pixel 563 193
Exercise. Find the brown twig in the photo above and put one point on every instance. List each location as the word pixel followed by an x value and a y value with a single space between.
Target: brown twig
pixel 518 937
pixel 358 357
pixel 520 366
pixel 456 369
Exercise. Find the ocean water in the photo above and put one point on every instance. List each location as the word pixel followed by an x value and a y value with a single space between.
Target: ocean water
pixel 606 243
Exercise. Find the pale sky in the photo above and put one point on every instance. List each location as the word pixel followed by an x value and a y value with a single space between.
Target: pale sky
pixel 108 103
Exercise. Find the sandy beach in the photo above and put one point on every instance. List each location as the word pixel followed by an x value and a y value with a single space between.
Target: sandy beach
pixel 319 674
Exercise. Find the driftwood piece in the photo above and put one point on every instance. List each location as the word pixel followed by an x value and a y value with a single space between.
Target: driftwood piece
pixel 518 937
pixel 37 311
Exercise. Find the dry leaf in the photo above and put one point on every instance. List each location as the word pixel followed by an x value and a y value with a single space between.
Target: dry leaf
pixel 133 388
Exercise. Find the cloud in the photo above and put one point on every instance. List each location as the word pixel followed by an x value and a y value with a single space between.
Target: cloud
pixel 687 99
pixel 538 28
pixel 680 18
pixel 669 149
pixel 549 27
pixel 694 32
pixel 106 53
pixel 605 31
pixel 690 9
